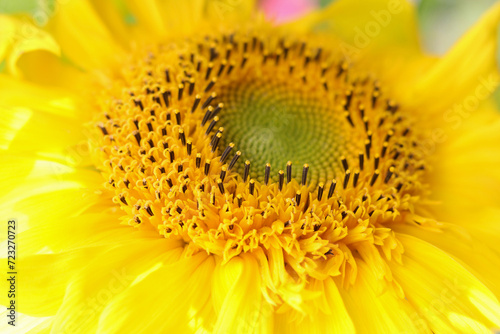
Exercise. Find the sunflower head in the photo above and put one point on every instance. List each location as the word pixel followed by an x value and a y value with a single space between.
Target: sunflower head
pixel 253 142
pixel 256 177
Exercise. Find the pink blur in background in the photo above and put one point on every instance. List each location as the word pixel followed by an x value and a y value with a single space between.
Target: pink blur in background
pixel 286 10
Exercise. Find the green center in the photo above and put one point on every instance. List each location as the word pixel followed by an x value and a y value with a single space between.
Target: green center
pixel 271 124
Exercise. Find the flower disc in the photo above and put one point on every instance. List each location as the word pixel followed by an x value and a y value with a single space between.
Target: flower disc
pixel 241 142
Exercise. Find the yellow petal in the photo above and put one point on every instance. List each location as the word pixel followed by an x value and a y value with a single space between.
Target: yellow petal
pixel 10 123
pixel 8 35
pixel 471 252
pixel 365 24
pixel 238 299
pixel 374 307
pixel 111 274
pixel 113 15
pixel 465 324
pixel 230 12
pixel 44 68
pixel 51 100
pixel 82 36
pixel 42 292
pixel 467 174
pixel 440 288
pixel 33 54
pixel 26 324
pixel 466 178
pixel 329 315
pixel 41 192
pixel 41 201
pixel 19 38
pixel 460 74
pixel 170 298
pixel 52 120
pixel 49 135
pixel 84 230
pixel 183 16
pixel 149 15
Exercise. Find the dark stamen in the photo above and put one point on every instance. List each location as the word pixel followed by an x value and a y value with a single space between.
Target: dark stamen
pixel 376 161
pixel 182 137
pixel 233 161
pixel 344 163
pixel 166 96
pixel 124 201
pixel 211 126
pixel 209 70
pixel 137 136
pixel 246 173
pixel 297 197
pixel 361 160
pixel 216 110
pixel 216 141
pixel 355 179
pixel 177 116
pixel 288 172
pixel 251 186
pixel 348 117
pixel 346 178
pixel 225 154
pixel 368 145
pixel 267 172
pixel 149 211
pixel 209 100
pixel 207 166
pixel 244 61
pixel 103 129
pixel 305 169
pixel 332 188
pixel 208 113
pixel 320 191
pixel 210 84
pixel 191 87
pixel 221 186
pixel 384 149
pixel 390 171
pixel 221 68
pixel 181 90
pixel 198 160
pixel 374 177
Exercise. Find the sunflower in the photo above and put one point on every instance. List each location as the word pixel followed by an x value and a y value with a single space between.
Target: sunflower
pixel 195 168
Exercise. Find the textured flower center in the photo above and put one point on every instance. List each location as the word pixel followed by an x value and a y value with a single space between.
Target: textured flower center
pixel 273 123
pixel 244 143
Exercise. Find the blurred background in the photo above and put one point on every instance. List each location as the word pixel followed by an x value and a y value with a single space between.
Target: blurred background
pixel 442 22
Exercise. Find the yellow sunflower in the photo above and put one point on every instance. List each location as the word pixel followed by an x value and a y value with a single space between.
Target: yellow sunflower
pixel 198 169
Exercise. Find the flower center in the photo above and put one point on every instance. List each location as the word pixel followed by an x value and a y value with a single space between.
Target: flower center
pixel 273 123
pixel 246 143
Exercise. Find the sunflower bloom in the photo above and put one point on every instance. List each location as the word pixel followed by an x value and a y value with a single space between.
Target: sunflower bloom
pixel 198 169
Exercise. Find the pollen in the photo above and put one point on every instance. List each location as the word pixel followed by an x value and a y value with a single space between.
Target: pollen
pixel 255 142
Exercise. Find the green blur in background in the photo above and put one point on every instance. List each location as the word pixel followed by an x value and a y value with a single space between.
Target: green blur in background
pixel 442 22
